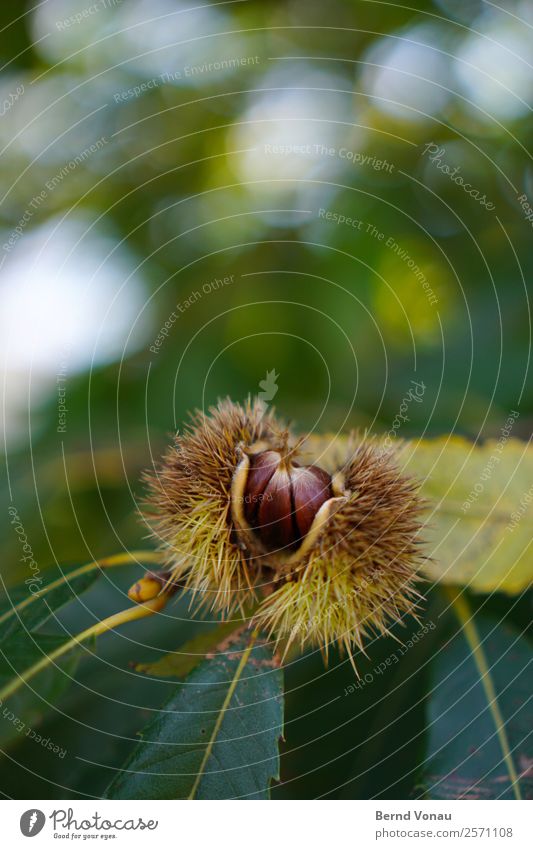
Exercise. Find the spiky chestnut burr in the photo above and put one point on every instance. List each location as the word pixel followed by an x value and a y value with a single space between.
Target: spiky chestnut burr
pixel 359 573
pixel 190 497
pixel 338 550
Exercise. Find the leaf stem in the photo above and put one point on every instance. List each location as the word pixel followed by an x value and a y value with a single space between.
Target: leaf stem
pixel 131 614
pixel 242 663
pixel 104 563
pixel 466 618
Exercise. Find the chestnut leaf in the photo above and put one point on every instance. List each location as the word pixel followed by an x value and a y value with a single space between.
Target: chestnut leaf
pixel 216 737
pixel 478 721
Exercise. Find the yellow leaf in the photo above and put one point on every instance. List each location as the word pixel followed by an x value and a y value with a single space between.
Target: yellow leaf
pixel 479 522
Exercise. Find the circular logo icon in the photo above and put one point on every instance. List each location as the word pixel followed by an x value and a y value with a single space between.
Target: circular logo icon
pixel 32 822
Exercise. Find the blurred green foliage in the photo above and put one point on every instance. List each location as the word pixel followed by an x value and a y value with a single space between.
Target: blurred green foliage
pixel 188 192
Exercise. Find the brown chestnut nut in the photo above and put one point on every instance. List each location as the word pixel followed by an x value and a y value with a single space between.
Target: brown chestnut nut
pixel 282 498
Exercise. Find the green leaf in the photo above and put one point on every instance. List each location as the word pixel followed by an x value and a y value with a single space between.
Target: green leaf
pixel 180 663
pixel 22 612
pixel 25 611
pixel 29 605
pixel 217 737
pixel 26 654
pixel 479 736
pixel 48 659
pixel 27 708
pixel 473 492
pixel 36 668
